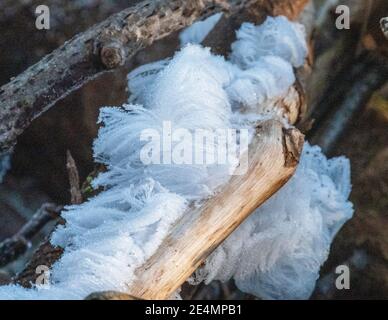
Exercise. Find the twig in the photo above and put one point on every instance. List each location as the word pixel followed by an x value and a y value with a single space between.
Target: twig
pixel 101 48
pixel 12 248
pixel 75 191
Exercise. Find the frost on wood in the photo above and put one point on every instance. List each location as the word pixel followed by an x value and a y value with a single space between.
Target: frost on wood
pixel 275 37
pixel 263 82
pixel 198 31
pixel 114 233
pixel 277 252
pixel 172 96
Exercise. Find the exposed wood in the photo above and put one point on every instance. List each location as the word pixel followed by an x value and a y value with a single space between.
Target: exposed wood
pixel 12 248
pixel 101 48
pixel 273 157
pixel 75 191
pixel 293 104
pixel 198 233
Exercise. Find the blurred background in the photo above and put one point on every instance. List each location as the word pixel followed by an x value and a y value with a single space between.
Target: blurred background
pixel 347 94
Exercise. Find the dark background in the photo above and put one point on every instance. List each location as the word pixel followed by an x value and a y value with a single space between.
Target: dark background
pixel 38 172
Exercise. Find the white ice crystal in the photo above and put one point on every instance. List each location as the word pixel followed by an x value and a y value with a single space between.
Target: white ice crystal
pixel 109 236
pixel 276 253
pixel 140 79
pixel 198 31
pixel 189 92
pixel 275 37
pixel 269 78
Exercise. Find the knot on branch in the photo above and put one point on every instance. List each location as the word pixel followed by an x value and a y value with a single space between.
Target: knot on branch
pixel 112 55
pixel 293 141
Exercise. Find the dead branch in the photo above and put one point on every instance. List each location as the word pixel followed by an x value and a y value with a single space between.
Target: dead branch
pixel 273 158
pixel 103 47
pixel 47 254
pixel 12 248
pixel 369 73
pixel 75 191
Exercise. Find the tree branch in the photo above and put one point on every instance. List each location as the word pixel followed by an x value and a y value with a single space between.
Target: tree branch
pixel 12 248
pixel 103 47
pixel 273 157
pixel 274 154
pixel 346 99
pixel 293 106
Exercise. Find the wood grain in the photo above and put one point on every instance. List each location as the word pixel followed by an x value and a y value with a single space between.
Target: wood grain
pixel 200 231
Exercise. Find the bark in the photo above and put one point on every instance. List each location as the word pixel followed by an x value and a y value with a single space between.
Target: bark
pixel 110 295
pixel 101 48
pixel 273 158
pixel 12 248
pixel 75 191
pixel 67 18
pixel 286 151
